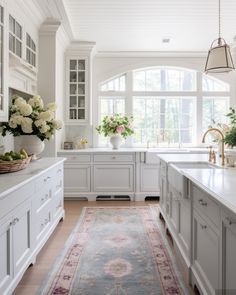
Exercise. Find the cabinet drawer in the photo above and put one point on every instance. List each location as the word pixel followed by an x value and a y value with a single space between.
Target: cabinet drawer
pixel 205 206
pixel 41 199
pixel 43 222
pixel 58 204
pixel 44 180
pixel 13 199
pixel 114 158
pixel 58 178
pixel 78 158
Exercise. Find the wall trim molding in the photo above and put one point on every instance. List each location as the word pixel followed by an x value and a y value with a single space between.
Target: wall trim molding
pixel 170 54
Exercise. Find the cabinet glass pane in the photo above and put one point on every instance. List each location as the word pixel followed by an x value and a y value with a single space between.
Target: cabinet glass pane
pixel 1 59
pixel 73 114
pixel 11 43
pixel 81 76
pixel 81 101
pixel 73 76
pixel 81 89
pixel 73 64
pixel 33 59
pixel 18 30
pixel 73 88
pixel 28 55
pixel 18 48
pixel 1 14
pixel 81 114
pixel 11 24
pixel 81 65
pixel 73 101
pixel 28 40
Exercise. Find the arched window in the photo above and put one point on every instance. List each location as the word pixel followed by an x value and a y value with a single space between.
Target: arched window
pixel 171 106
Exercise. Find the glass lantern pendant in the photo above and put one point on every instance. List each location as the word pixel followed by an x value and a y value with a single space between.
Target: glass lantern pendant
pixel 219 59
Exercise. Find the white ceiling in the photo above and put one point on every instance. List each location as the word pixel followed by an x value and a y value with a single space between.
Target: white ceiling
pixel 140 25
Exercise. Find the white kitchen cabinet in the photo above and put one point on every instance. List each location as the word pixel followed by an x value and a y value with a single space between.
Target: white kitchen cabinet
pixel 206 242
pixel 228 252
pixel 3 63
pixel 206 254
pixel 31 206
pixel 164 195
pixel 149 179
pixel 77 178
pixel 77 89
pixel 15 242
pixel 113 178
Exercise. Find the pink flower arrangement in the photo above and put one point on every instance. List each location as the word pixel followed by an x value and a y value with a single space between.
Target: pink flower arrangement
pixel 116 124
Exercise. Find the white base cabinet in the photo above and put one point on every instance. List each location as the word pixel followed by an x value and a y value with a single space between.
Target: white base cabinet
pixel 113 178
pixel 228 253
pixel 28 215
pixel 109 174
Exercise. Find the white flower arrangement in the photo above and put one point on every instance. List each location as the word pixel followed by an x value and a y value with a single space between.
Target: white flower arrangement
pixel 31 118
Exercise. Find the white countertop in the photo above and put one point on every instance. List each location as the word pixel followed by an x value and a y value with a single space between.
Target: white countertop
pixel 11 181
pixel 133 149
pixel 219 183
pixel 180 158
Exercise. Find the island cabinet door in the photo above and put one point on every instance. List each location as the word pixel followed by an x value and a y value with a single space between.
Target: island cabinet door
pixel 6 267
pixel 113 178
pixel 228 253
pixel 206 254
pixel 21 236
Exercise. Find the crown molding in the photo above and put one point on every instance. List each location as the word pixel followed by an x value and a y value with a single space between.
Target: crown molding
pixel 49 27
pixel 170 54
pixel 82 46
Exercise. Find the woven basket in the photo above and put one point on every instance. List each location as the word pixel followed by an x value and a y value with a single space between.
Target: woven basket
pixel 13 166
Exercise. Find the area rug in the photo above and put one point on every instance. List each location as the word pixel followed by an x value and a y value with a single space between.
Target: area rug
pixel 114 251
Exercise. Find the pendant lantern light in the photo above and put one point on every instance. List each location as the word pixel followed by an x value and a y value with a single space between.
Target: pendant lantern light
pixel 219 59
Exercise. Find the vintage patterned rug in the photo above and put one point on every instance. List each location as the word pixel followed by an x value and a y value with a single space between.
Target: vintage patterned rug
pixel 115 251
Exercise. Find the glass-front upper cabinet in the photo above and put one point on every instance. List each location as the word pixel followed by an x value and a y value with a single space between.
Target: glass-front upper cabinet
pixel 3 67
pixel 77 95
pixel 15 37
pixel 30 51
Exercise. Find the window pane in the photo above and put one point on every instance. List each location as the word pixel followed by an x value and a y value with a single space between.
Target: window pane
pixel 116 84
pixel 163 120
pixel 214 111
pixel 164 79
pixel 212 84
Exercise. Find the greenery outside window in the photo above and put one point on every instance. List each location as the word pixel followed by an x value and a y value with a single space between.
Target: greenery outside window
pixel 171 106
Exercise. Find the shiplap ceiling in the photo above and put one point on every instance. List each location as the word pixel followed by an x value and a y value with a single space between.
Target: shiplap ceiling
pixel 140 25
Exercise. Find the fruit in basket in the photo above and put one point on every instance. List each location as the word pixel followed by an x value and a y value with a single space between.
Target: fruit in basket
pixel 24 153
pixel 11 156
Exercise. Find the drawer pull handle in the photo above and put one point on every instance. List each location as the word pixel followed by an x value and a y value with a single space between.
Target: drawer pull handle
pixel 59 171
pixel 114 157
pixel 203 203
pixel 230 222
pixel 203 226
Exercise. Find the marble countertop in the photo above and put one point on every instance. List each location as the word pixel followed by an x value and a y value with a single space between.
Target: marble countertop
pixel 158 150
pixel 219 183
pixel 182 158
pixel 11 181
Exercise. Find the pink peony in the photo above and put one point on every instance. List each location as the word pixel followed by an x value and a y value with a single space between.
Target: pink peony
pixel 120 129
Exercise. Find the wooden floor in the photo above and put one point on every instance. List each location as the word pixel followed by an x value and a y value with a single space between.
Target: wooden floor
pixel 34 276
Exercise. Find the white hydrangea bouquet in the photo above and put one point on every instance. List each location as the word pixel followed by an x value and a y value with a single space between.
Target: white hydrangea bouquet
pixel 31 118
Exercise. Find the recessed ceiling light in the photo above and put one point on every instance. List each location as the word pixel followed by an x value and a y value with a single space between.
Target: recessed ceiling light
pixel 166 40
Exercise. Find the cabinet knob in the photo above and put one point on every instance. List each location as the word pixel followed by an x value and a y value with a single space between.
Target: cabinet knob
pixel 230 222
pixel 203 203
pixel 113 157
pixel 203 226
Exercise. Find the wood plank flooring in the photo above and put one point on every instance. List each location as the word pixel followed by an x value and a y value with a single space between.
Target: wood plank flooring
pixel 34 276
